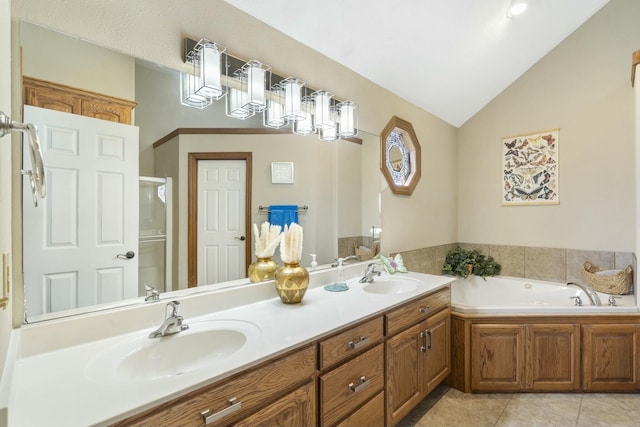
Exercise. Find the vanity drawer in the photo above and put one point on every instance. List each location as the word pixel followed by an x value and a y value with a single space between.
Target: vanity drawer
pixel 350 385
pixel 248 392
pixel 417 310
pixel 348 343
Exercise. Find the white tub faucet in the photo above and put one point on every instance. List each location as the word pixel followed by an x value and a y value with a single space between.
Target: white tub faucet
pixel 172 321
pixel 593 296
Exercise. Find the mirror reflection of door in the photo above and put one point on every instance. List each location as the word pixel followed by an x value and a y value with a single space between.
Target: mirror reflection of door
pixel 81 242
pixel 221 221
pixel 395 157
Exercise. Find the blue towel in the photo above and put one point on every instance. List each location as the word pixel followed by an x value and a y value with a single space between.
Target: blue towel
pixel 283 215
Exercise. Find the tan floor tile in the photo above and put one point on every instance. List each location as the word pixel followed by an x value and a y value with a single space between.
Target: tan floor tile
pixel 541 410
pixel 463 409
pixel 619 410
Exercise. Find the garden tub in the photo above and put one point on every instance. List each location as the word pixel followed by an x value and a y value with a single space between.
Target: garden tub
pixel 510 295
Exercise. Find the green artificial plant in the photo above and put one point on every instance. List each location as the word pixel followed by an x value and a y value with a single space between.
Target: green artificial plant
pixel 463 262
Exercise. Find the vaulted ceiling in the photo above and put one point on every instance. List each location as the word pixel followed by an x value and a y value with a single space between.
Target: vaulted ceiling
pixel 449 57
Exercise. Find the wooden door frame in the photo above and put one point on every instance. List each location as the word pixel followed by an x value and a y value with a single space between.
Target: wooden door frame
pixel 192 216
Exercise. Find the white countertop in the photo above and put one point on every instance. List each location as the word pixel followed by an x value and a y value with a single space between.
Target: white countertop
pixel 60 386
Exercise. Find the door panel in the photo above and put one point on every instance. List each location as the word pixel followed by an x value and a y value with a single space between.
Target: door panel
pixel 90 215
pixel 221 220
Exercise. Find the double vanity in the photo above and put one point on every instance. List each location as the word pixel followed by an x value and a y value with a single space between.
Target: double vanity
pixel 365 356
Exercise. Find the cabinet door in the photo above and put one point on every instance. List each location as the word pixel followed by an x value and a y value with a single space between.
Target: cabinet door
pixel 610 357
pixel 403 385
pixel 296 409
pixel 437 360
pixel 498 357
pixel 553 357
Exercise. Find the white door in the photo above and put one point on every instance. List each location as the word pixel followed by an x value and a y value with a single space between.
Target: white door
pixel 73 239
pixel 221 220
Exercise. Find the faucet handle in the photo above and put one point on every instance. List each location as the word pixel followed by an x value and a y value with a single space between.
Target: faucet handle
pixel 173 309
pixel 578 300
pixel 152 293
pixel 612 300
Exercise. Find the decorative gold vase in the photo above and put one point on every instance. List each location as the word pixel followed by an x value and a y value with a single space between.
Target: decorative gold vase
pixel 292 281
pixel 263 269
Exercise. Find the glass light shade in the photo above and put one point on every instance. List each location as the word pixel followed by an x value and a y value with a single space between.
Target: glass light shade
pixel 274 115
pixel 210 64
pixel 255 77
pixel 305 126
pixel 348 119
pixel 330 133
pixel 293 93
pixel 188 97
pixel 236 104
pixel 322 103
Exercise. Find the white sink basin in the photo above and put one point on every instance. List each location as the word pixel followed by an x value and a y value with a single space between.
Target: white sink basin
pixel 392 285
pixel 140 358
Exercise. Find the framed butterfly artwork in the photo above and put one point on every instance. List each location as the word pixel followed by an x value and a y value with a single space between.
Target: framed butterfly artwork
pixel 530 168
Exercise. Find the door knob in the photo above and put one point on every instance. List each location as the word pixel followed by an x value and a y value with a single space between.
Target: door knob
pixel 242 238
pixel 128 255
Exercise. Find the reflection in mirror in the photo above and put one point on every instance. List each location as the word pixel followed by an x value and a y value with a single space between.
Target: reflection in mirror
pixel 338 181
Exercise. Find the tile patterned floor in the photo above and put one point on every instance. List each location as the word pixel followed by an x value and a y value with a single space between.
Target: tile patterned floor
pixel 449 407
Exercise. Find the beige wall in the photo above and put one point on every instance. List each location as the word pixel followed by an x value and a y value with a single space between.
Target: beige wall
pixel 67 60
pixel 5 185
pixel 583 88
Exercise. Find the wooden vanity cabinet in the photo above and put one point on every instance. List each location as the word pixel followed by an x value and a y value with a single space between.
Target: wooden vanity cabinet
pixel 279 391
pixel 418 357
pixel 611 357
pixel 351 382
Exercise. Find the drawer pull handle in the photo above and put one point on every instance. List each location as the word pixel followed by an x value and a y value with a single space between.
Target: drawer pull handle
pixel 424 309
pixel 362 341
pixel 423 348
pixel 363 383
pixel 234 405
pixel 430 340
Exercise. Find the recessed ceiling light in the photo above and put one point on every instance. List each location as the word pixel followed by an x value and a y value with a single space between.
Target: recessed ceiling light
pixel 516 7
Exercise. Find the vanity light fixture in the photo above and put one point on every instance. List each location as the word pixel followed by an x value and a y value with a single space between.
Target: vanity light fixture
pixel 322 101
pixel 331 133
pixel 273 116
pixel 254 78
pixel 188 95
pixel 250 87
pixel 305 126
pixel 209 61
pixel 293 93
pixel 348 119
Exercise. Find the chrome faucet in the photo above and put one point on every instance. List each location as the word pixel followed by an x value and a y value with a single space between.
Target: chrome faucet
pixel 152 293
pixel 593 296
pixel 349 258
pixel 172 321
pixel 371 271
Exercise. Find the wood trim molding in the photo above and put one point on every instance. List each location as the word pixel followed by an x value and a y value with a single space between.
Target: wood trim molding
pixel 192 215
pixel 635 60
pixel 231 131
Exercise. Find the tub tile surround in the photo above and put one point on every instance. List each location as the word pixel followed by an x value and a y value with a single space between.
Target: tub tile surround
pixel 536 263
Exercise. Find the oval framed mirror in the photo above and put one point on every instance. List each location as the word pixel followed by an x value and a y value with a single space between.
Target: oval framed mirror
pixel 400 156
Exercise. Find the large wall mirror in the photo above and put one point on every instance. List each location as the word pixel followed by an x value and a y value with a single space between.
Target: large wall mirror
pixel 338 182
